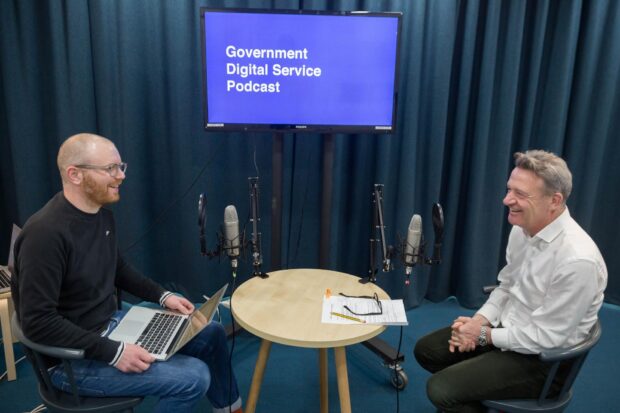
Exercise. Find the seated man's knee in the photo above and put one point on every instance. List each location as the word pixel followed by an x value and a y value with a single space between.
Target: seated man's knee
pixel 439 392
pixel 420 350
pixel 213 333
pixel 198 378
pixel 444 391
pixel 215 329
pixel 431 351
pixel 183 378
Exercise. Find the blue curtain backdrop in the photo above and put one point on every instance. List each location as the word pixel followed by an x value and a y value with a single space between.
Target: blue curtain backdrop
pixel 479 80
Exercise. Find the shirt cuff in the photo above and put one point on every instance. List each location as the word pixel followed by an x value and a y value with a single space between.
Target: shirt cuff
pixel 163 298
pixel 489 312
pixel 499 338
pixel 117 356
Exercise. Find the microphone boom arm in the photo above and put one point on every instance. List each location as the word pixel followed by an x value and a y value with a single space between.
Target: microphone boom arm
pixel 257 259
pixel 202 220
pixel 378 195
pixel 378 224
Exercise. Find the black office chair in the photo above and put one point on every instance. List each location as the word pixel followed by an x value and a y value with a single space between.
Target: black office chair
pixel 59 401
pixel 576 355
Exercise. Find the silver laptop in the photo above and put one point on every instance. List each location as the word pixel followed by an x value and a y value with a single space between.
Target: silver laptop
pixel 162 333
pixel 6 271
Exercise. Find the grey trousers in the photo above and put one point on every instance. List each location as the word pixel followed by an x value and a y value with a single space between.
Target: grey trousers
pixel 461 380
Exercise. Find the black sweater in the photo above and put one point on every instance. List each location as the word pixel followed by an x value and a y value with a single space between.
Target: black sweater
pixel 67 266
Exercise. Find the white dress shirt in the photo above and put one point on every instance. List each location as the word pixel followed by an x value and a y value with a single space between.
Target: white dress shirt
pixel 550 289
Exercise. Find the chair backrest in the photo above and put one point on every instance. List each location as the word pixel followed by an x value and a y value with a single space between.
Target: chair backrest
pixel 575 355
pixel 36 354
pixel 11 260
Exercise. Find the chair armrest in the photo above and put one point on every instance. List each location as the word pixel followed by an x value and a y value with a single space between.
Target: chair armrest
pixel 57 352
pixel 565 353
pixel 488 289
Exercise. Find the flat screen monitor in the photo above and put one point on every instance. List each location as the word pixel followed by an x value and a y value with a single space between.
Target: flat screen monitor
pixel 300 70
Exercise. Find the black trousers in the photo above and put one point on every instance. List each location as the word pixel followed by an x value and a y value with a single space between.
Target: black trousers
pixel 461 380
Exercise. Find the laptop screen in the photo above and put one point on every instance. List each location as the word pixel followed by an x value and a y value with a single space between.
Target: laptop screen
pixel 200 318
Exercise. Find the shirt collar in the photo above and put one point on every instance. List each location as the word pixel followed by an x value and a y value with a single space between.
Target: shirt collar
pixel 555 228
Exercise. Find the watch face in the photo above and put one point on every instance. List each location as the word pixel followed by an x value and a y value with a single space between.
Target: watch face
pixel 482 338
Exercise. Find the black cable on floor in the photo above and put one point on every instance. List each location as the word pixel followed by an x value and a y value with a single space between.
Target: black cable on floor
pixel 232 346
pixel 396 378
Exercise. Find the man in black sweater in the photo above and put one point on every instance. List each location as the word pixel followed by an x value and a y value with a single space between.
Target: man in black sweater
pixel 67 269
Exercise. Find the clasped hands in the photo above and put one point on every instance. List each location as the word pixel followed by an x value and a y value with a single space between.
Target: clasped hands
pixel 134 358
pixel 465 332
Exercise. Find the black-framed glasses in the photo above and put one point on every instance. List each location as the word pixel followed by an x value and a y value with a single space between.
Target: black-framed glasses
pixel 112 169
pixel 374 297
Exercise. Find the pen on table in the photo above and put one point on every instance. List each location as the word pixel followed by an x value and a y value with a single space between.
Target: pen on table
pixel 348 317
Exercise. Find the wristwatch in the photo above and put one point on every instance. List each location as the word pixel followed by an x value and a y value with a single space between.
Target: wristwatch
pixel 482 338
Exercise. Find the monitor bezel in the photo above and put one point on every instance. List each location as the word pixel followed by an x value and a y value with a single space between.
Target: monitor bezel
pixel 300 128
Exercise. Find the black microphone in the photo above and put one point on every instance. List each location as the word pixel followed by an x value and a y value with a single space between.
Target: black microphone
pixel 412 244
pixel 438 226
pixel 202 220
pixel 231 234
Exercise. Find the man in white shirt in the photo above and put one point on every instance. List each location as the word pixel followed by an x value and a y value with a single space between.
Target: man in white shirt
pixel 548 297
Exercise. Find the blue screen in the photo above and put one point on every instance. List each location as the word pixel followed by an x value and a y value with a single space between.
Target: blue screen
pixel 300 70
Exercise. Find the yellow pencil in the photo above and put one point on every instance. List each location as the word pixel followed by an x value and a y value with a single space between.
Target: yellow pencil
pixel 348 317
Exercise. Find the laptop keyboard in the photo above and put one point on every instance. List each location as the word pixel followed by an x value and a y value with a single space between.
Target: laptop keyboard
pixel 158 332
pixel 5 278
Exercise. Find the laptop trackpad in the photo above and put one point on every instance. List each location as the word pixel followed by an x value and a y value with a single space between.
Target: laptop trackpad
pixel 128 330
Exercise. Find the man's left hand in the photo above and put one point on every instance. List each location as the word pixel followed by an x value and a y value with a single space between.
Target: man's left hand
pixel 180 304
pixel 465 332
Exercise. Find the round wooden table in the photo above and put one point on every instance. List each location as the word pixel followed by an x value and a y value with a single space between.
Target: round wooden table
pixel 6 312
pixel 286 309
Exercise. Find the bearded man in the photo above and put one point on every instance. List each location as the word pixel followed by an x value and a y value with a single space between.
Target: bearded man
pixel 67 270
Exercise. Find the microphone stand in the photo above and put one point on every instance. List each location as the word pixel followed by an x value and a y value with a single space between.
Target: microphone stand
pixel 202 220
pixel 378 195
pixel 377 224
pixel 257 259
pixel 390 356
pixel 438 227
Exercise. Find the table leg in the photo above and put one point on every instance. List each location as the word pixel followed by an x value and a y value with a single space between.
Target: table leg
pixel 257 378
pixel 343 379
pixel 7 339
pixel 323 379
pixel 11 311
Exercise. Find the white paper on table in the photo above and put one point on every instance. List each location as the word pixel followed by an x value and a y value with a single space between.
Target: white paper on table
pixel 393 311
